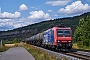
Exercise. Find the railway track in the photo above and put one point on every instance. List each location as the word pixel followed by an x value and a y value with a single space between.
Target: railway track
pixel 82 50
pixel 83 53
pixel 76 55
pixel 80 56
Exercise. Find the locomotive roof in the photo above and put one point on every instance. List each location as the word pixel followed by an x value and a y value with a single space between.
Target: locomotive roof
pixel 61 28
pixel 57 28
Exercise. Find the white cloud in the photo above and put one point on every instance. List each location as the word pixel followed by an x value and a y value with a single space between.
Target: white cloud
pixel 49 11
pixel 7 15
pixel 75 8
pixel 37 16
pixel 8 24
pixel 58 2
pixel 23 7
pixel 21 22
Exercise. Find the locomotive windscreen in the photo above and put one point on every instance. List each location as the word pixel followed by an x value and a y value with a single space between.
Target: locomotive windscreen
pixel 63 32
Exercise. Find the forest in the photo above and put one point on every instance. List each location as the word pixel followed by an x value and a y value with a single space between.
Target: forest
pixel 82 33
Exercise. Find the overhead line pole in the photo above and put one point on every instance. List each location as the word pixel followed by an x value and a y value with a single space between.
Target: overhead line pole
pixel 1 44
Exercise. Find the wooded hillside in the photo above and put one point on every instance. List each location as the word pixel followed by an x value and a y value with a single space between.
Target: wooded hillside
pixel 30 30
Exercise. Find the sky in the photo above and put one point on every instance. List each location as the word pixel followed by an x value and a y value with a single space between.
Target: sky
pixel 19 13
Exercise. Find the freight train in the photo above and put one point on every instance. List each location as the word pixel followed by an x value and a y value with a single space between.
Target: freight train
pixel 56 37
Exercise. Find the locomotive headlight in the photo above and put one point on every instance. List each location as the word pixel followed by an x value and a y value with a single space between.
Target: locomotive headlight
pixel 58 41
pixel 69 41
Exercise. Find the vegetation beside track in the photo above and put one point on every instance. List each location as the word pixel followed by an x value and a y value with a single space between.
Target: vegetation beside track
pixel 37 54
pixel 41 55
pixel 82 33
pixel 75 46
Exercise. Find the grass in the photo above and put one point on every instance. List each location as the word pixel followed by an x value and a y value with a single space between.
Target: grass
pixel 76 47
pixel 85 48
pixel 3 48
pixel 41 55
pixel 35 52
pixel 7 46
pixel 38 54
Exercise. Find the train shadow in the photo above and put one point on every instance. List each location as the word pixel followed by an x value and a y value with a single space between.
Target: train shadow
pixel 73 50
pixel 66 51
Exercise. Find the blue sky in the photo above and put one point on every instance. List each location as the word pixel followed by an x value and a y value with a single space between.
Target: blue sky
pixel 18 13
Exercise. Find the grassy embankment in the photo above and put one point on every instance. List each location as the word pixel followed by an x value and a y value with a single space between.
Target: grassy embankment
pixel 76 47
pixel 41 55
pixel 38 54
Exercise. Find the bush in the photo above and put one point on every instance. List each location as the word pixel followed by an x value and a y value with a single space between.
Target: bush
pixel 3 48
pixel 80 44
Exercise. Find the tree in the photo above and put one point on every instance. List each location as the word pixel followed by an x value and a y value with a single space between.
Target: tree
pixel 78 32
pixel 82 33
pixel 16 40
pixel 87 31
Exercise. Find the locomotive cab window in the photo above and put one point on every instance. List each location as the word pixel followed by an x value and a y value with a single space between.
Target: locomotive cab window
pixel 63 32
pixel 66 32
pixel 59 32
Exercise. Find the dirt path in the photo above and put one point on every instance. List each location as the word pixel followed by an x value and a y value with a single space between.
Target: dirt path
pixel 17 53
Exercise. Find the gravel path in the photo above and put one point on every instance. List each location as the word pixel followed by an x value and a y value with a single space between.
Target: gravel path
pixel 17 53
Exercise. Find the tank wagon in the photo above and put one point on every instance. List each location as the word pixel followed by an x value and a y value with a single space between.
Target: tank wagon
pixel 56 37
